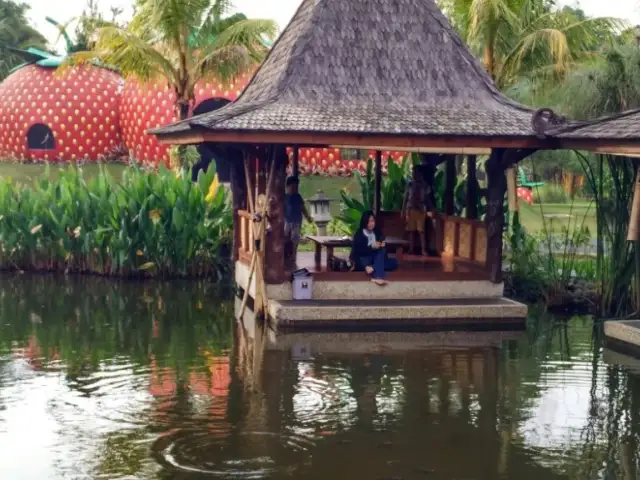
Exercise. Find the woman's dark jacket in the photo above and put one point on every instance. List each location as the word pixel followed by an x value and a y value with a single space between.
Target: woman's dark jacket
pixel 360 246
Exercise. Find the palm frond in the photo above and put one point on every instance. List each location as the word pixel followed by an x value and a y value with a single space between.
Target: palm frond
pixel 129 53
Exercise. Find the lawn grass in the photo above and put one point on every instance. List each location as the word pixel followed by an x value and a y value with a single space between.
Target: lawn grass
pixel 28 173
pixel 331 186
pixel 536 217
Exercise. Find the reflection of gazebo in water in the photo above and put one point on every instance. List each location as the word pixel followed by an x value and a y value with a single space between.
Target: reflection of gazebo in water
pixel 441 418
pixel 377 75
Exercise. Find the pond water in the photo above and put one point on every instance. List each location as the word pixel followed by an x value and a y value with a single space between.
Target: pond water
pixel 104 380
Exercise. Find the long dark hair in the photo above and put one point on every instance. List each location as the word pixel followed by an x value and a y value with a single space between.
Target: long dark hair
pixel 364 220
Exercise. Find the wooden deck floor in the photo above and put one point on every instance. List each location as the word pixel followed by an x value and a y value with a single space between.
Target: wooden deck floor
pixel 412 268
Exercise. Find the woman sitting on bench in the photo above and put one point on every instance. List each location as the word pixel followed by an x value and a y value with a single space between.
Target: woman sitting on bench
pixel 368 251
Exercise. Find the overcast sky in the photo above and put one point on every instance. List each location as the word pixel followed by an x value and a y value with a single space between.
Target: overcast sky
pixel 281 10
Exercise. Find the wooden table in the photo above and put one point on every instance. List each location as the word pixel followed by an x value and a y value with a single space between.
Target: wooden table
pixel 330 243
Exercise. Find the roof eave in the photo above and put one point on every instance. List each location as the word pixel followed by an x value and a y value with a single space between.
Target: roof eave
pixel 312 138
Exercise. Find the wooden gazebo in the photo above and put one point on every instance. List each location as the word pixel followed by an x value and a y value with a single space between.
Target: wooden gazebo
pixel 377 75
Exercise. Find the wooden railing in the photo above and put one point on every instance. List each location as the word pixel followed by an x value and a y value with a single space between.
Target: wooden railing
pixel 246 245
pixel 464 238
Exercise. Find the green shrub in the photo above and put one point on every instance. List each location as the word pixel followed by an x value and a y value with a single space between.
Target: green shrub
pixel 550 193
pixel 148 224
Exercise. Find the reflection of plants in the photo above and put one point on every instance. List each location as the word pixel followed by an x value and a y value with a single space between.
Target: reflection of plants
pixel 146 224
pixel 86 322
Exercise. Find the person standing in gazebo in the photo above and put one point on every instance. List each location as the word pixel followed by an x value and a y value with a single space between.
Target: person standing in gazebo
pixel 417 207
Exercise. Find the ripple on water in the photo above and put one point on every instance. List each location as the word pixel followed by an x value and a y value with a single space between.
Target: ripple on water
pixel 239 454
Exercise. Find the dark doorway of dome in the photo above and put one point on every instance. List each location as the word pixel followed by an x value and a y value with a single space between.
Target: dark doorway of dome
pixel 206 155
pixel 40 137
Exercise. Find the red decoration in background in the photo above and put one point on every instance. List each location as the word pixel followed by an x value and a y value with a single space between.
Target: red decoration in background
pixel 151 106
pixel 90 115
pixel 80 107
pixel 525 194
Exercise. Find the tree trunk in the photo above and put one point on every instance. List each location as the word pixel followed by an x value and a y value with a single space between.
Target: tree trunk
pixel 490 59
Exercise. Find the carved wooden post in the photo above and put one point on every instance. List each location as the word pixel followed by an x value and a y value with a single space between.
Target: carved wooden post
pixel 633 234
pixel 450 179
pixel 512 188
pixel 472 188
pixel 295 164
pixel 239 195
pixel 495 214
pixel 274 248
pixel 377 199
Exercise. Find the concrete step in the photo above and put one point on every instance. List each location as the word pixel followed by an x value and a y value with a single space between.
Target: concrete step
pixel 624 335
pixel 482 312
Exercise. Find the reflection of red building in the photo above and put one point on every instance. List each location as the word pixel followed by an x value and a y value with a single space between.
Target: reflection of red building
pixel 32 353
pixel 215 381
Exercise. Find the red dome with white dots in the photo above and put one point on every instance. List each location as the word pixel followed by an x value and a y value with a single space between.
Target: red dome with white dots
pixel 150 106
pixel 68 116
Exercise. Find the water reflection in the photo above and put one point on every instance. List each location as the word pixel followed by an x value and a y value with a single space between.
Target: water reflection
pixel 104 380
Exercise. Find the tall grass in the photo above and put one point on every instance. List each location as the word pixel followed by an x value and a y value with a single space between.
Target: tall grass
pixel 147 224
pixel 612 180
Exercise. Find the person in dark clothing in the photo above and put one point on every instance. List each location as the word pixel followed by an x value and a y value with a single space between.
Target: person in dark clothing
pixel 368 251
pixel 294 211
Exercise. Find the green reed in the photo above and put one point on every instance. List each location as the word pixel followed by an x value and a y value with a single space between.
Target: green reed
pixel 147 224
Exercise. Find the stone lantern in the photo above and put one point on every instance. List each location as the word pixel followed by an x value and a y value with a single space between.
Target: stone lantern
pixel 320 212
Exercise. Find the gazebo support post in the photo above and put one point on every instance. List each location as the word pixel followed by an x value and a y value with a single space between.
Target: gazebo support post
pixel 633 235
pixel 239 196
pixel 497 187
pixel 472 188
pixel 512 191
pixel 377 199
pixel 295 163
pixel 450 179
pixel 274 247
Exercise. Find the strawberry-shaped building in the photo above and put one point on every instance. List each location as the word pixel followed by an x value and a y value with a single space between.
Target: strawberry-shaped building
pixel 50 115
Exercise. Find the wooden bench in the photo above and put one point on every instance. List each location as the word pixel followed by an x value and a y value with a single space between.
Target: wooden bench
pixel 394 244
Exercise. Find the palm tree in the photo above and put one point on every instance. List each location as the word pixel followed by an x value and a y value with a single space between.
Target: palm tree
pixel 182 42
pixel 528 38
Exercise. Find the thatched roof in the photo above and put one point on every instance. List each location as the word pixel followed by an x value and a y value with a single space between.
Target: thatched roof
pixel 386 67
pixel 624 126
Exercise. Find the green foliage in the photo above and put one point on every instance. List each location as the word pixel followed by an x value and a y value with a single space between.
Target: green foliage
pixel 392 192
pixel 395 184
pixel 16 32
pixel 528 38
pixel 548 266
pixel 184 157
pixel 148 224
pixel 616 268
pixel 182 43
pixel 550 193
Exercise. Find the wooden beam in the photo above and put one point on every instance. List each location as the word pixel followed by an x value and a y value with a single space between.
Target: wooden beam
pixel 274 247
pixel 295 166
pixel 450 179
pixel 495 214
pixel 436 150
pixel 359 140
pixel 472 188
pixel 377 199
pixel 239 195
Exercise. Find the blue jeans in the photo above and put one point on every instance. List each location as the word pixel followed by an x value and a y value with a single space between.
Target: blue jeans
pixel 379 262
